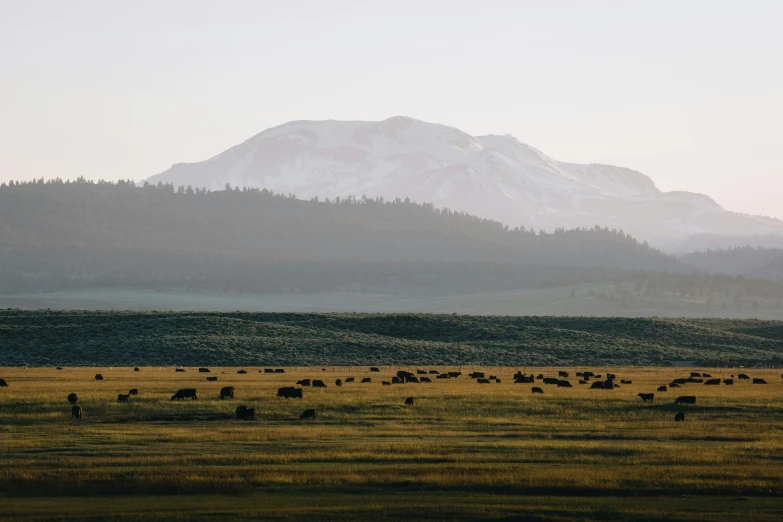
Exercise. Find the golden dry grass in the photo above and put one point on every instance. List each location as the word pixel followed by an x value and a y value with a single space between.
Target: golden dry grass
pixel 463 450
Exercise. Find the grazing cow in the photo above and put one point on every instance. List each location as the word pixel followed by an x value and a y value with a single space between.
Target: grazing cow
pixel 759 381
pixel 696 374
pixel 706 375
pixel 680 381
pixel 443 376
pixel 626 382
pixel 562 374
pixel 582 382
pixel 372 369
pixel 318 384
pixel 550 380
pixel 123 397
pixel 421 372
pixel 366 379
pixel 434 372
pixel 396 380
pixel 602 385
pixel 268 370
pixel 136 370
pixel 587 375
pixel 245 413
pixel 290 392
pixel 412 379
pixel 661 388
pixel 186 393
pixel 692 379
pixel 59 367
pixel 688 399
pixel 536 389
pixel 386 383
pixel 307 414
pixel 497 381
pixel 241 372
pixel 564 384
pixel 76 412
pixel 476 375
pixel 303 382
pixel 338 382
pixel 350 379
pixel 409 401
pixel 134 391
pixel 212 379
pixel 454 375
pixel 647 397
pixel 540 376
pixel 98 377
pixel 425 379
pixel 610 377
pixel 203 370
pixel 580 374
pixel 743 377
pixel 3 384
pixel 482 381
pixel 227 392
pixel 728 382
pixel 680 417
pixel 179 370
pixel 493 377
pixel 674 385
pixel 403 375
pixel 279 370
pixel 712 382
pixel 72 398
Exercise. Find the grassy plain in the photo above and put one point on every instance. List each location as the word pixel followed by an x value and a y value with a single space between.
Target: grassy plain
pixel 463 451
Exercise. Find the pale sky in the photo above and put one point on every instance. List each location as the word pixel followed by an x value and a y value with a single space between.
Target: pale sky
pixel 688 92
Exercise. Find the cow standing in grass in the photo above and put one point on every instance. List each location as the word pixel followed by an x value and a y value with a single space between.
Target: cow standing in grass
pixel 187 393
pixel 227 392
pixel 76 412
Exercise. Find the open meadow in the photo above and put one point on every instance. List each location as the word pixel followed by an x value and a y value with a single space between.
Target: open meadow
pixel 463 450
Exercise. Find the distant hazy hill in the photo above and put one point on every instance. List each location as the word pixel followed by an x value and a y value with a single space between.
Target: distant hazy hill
pixel 494 177
pixel 73 236
pixel 746 261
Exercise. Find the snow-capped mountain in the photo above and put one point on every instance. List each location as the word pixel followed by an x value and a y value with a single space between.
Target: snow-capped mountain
pixel 492 176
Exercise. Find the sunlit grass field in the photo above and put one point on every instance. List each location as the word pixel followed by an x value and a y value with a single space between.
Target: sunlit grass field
pixel 464 450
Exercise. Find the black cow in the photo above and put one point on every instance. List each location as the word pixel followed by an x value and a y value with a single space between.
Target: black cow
pixel 307 414
pixel 386 383
pixel 626 382
pixel 680 417
pixel 227 392
pixel 425 379
pixel 443 376
pixel 367 379
pixel 136 370
pixel 123 397
pixel 212 379
pixel 303 382
pixel 476 375
pixel 268 370
pixel 3 384
pixel 186 393
pixel 290 392
pixel 241 372
pixel 611 377
pixel 279 370
pixel 98 377
pixel 688 399
pixel 245 413
pixel 350 379
pixel 550 380
pixel 72 398
pixel 712 382
pixel 728 382
pixel 696 374
pixel 372 369
pixel 76 412
pixel 454 375
pixel 421 372
pixel 318 384
pixel 602 385
pixel 540 376
pixel 674 385
pixel 706 375
pixel 759 381
pixel 434 372
pixel 134 391
pixel 743 377
pixel 562 374
pixel 482 381
pixel 403 375
pixel 179 370
pixel 409 401
pixel 661 388
pixel 680 381
pixel 564 384
pixel 647 397
pixel 412 379
pixel 203 370
pixel 396 380
pixel 582 382
pixel 536 389
pixel 338 382
pixel 59 368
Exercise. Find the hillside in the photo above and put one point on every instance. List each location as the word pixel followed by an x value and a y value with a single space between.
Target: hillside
pixel 192 339
pixel 494 176
pixel 746 261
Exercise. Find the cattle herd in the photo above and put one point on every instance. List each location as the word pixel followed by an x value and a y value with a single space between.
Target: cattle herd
pixel 592 380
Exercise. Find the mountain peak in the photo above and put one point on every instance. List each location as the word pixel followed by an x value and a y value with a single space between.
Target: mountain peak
pixel 494 176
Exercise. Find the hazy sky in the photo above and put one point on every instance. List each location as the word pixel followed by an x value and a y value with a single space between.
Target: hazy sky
pixel 688 92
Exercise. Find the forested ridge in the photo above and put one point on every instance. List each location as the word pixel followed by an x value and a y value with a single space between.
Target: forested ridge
pixel 57 235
